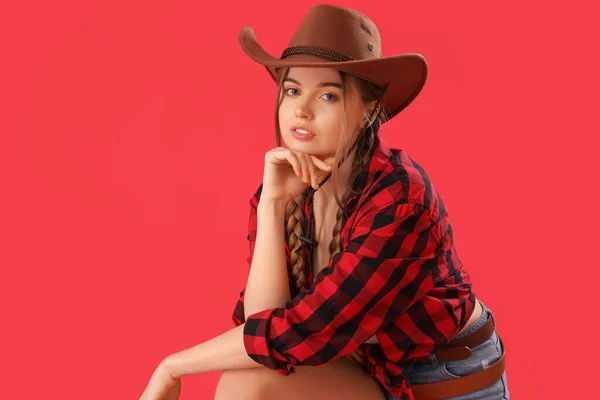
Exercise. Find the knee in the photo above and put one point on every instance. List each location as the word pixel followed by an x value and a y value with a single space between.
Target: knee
pixel 244 384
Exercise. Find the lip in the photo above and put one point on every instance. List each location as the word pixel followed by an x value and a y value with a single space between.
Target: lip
pixel 300 136
pixel 294 127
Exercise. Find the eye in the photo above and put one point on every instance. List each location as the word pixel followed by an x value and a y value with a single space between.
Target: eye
pixel 331 94
pixel 332 99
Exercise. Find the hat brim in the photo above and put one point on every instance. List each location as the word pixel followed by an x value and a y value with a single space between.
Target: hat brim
pixel 405 74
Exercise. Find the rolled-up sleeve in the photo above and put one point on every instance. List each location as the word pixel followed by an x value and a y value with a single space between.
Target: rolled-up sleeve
pixel 384 269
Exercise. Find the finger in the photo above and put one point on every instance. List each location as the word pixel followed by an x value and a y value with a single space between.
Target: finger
pixel 323 172
pixel 278 156
pixel 313 172
pixel 304 166
pixel 362 356
pixel 321 164
pixel 295 163
pixel 355 358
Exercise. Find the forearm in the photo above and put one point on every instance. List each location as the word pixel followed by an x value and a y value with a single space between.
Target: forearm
pixel 268 283
pixel 223 352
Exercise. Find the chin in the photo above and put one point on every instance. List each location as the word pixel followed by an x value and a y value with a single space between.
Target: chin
pixel 310 147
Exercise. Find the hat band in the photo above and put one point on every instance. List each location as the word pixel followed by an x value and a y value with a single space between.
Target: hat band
pixel 316 51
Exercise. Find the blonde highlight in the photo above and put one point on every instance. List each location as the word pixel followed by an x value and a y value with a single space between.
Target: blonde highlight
pixel 365 145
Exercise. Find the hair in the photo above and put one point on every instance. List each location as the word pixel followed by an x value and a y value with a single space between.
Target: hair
pixel 366 140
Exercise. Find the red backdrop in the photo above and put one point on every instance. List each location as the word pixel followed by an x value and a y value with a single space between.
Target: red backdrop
pixel 133 135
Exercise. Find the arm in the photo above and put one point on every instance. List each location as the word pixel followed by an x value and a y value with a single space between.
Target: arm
pixel 268 282
pixel 346 311
pixel 223 352
pixel 268 275
pixel 384 269
pixel 239 314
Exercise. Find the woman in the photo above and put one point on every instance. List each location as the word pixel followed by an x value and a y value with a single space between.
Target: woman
pixel 366 283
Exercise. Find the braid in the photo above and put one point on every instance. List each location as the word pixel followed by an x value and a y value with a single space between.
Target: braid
pixel 295 211
pixel 298 254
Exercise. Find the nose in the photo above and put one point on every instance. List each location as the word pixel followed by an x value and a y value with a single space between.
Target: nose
pixel 303 110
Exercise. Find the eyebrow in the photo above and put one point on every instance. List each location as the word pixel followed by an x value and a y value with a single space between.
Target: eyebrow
pixel 322 84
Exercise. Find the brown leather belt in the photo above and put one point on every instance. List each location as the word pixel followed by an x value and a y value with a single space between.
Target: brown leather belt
pixel 460 349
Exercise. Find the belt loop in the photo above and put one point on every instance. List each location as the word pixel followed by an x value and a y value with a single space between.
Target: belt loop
pixel 433 359
pixel 488 312
pixel 490 315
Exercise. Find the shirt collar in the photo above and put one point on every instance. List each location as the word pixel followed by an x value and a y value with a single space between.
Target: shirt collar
pixel 380 160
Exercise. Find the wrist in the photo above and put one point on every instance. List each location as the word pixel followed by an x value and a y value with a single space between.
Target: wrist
pixel 271 205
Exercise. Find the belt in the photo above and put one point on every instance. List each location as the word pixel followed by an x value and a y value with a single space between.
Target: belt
pixel 460 349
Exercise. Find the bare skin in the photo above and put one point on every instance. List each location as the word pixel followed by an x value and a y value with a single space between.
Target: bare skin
pixel 315 106
pixel 318 109
pixel 344 377
pixel 339 379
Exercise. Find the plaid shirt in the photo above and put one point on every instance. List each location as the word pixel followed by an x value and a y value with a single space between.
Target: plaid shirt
pixel 398 277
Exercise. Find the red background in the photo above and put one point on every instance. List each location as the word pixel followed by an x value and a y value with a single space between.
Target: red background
pixel 133 135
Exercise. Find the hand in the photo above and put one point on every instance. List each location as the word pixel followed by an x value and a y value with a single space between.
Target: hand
pixel 162 385
pixel 357 356
pixel 287 173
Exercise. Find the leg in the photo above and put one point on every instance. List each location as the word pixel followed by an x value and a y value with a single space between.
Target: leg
pixel 340 379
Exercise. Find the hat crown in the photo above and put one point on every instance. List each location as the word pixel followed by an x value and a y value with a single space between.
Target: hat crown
pixel 340 29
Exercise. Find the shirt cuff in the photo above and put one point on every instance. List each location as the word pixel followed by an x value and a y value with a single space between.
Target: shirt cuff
pixel 259 345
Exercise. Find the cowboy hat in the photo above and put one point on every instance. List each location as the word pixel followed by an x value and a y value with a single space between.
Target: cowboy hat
pixel 345 39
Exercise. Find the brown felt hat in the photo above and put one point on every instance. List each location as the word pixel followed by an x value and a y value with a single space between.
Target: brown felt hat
pixel 345 39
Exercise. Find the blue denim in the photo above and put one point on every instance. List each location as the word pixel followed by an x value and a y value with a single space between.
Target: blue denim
pixel 483 355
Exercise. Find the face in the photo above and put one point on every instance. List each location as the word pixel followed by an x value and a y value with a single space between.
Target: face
pixel 312 98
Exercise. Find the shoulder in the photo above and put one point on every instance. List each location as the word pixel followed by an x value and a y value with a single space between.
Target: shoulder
pixel 395 177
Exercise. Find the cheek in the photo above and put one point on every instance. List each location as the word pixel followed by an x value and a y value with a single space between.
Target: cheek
pixel 335 127
pixel 282 113
pixel 284 118
pixel 287 111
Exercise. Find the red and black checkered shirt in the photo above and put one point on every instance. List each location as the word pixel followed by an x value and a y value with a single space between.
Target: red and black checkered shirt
pixel 398 277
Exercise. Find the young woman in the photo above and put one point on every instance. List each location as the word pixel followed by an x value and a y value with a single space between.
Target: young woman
pixel 352 262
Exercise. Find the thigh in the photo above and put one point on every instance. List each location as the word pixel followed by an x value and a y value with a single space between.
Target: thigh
pixel 338 379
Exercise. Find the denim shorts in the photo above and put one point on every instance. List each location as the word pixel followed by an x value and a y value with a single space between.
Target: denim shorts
pixel 483 355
